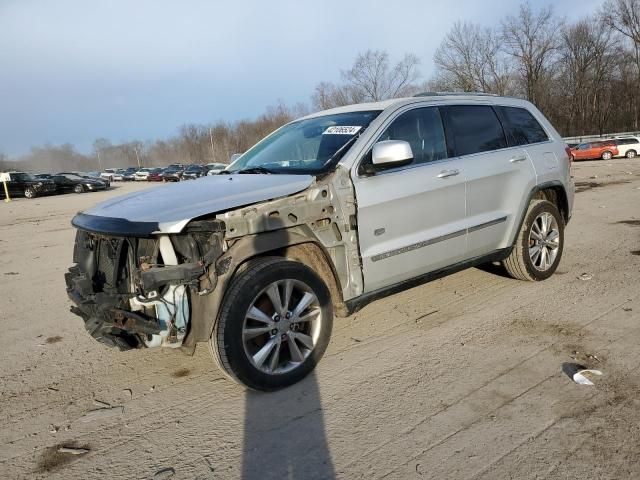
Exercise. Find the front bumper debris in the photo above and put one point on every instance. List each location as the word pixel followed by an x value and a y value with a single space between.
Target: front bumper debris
pixel 133 292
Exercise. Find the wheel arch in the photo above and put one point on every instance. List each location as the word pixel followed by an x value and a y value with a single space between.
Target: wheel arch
pixel 280 243
pixel 553 191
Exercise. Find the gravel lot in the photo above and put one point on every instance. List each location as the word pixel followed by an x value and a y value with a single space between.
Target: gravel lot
pixel 458 378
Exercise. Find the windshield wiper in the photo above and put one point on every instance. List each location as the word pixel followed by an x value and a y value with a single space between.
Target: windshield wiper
pixel 341 151
pixel 254 170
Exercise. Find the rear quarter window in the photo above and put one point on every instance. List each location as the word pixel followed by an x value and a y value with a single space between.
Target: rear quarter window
pixel 474 129
pixel 521 126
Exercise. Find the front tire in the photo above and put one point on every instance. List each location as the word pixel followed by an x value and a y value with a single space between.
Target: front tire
pixel 30 192
pixel 274 326
pixel 538 247
pixel 631 154
pixel 78 189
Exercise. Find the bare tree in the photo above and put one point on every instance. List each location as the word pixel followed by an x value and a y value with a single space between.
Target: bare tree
pixel 623 16
pixel 470 59
pixel 532 40
pixel 371 78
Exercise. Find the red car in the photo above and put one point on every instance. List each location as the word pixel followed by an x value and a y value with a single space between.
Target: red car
pixel 156 175
pixel 594 150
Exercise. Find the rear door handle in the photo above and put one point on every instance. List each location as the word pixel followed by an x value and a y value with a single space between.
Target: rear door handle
pixel 448 173
pixel 520 158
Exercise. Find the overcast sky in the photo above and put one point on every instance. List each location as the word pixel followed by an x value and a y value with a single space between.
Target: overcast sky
pixel 75 70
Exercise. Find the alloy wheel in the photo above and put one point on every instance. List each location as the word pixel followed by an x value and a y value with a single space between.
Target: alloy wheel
pixel 282 326
pixel 544 241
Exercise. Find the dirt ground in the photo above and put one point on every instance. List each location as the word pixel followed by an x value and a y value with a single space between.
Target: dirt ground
pixel 458 378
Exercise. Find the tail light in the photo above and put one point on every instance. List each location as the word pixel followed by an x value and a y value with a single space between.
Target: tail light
pixel 568 150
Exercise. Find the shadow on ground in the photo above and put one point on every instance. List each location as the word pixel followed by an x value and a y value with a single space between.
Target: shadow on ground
pixel 284 434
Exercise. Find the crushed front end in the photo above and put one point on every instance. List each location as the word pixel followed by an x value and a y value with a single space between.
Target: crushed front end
pixel 133 290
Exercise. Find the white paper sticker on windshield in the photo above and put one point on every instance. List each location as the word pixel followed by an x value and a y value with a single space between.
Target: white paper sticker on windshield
pixel 341 130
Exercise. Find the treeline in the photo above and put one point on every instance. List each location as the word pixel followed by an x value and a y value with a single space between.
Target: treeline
pixel 584 74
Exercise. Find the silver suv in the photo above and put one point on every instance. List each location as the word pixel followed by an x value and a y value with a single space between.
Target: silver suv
pixel 327 213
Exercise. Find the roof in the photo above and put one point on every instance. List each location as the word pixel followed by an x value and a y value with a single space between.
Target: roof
pixel 431 97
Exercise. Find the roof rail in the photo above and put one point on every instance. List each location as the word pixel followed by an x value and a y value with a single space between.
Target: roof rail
pixel 444 94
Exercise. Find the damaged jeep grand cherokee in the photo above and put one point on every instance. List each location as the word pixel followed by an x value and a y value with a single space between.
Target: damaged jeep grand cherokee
pixel 325 214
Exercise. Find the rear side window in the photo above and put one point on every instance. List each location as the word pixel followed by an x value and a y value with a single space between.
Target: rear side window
pixel 474 129
pixel 521 127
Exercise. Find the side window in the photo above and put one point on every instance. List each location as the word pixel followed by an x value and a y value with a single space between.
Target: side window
pixel 522 127
pixel 474 129
pixel 422 128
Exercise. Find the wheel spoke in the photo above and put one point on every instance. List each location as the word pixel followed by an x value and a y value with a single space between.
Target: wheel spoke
pixel 275 357
pixel 543 258
pixel 306 300
pixel 288 289
pixel 309 317
pixel 534 253
pixel 255 313
pixel 553 235
pixel 264 352
pixel 544 219
pixel 250 333
pixel 273 292
pixel 296 354
pixel 304 339
pixel 535 230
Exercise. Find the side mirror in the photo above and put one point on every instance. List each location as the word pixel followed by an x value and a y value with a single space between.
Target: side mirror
pixel 391 153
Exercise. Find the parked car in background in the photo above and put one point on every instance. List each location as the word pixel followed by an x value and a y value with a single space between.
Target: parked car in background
pixel 627 146
pixel 173 173
pixel 70 182
pixel 215 168
pixel 96 176
pixel 156 175
pixel 194 171
pixel 129 174
pixel 113 174
pixel 605 150
pixel 142 174
pixel 27 185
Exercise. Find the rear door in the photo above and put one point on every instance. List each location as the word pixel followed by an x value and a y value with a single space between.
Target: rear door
pixel 411 218
pixel 498 175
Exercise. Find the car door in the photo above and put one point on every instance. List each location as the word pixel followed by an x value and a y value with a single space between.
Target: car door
pixel 15 186
pixel 497 176
pixel 411 219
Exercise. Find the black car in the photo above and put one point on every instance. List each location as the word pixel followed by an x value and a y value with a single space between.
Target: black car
pixel 25 184
pixel 129 174
pixel 70 182
pixel 194 171
pixel 95 176
pixel 173 173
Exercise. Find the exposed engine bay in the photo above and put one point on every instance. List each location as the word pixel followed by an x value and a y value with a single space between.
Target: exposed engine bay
pixel 134 291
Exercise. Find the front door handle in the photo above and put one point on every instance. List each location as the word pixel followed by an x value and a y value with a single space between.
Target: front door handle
pixel 448 173
pixel 520 158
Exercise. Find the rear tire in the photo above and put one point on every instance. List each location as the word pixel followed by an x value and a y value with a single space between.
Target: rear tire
pixel 538 247
pixel 257 341
pixel 631 154
pixel 606 156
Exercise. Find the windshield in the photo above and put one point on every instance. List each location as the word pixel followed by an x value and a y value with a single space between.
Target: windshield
pixel 194 168
pixel 306 146
pixel 23 176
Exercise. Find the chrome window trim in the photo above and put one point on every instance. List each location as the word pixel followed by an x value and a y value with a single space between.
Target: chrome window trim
pixel 412 106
